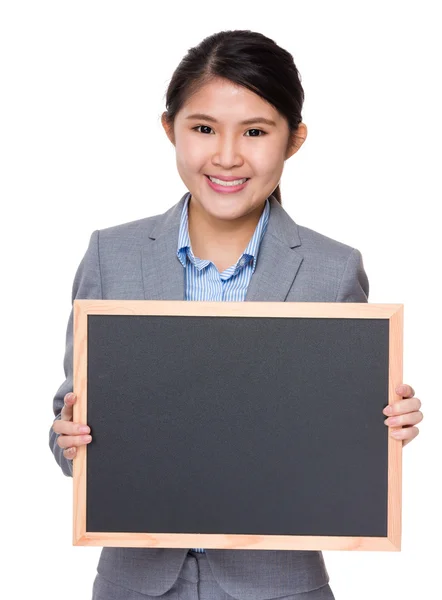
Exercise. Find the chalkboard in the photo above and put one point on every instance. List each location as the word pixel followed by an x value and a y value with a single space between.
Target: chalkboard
pixel 237 425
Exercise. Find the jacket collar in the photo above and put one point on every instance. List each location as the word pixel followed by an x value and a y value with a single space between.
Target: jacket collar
pixel 277 266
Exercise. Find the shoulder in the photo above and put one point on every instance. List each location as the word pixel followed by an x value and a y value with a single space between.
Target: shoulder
pixel 316 243
pixel 130 236
pixel 129 230
pixel 337 266
pixel 306 240
pixel 134 233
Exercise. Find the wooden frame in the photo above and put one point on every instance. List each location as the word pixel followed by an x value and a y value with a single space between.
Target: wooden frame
pixel 392 312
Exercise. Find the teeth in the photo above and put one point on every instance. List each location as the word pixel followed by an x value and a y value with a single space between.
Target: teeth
pixel 228 183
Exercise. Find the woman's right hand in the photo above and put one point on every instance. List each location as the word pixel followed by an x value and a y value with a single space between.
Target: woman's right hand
pixel 72 434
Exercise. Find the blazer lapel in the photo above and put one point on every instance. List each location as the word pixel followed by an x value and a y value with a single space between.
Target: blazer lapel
pixel 276 268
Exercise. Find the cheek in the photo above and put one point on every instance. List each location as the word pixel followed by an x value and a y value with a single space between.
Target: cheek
pixel 268 166
pixel 190 156
pixel 267 159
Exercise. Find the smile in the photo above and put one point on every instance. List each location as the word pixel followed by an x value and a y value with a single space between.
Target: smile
pixel 227 183
pixel 226 187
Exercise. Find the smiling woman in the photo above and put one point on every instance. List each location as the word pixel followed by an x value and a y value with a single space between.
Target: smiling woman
pixel 221 106
pixel 233 113
pixel 229 168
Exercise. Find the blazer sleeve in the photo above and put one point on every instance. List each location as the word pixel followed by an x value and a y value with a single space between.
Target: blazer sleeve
pixel 86 285
pixel 354 285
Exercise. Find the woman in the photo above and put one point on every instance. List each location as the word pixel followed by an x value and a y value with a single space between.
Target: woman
pixel 234 116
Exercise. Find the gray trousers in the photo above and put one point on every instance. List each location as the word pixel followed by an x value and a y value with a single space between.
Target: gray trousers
pixel 195 582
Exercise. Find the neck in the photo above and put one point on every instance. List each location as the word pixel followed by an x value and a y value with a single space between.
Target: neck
pixel 210 236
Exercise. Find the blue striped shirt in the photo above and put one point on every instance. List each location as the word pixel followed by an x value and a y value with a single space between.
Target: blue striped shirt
pixel 205 282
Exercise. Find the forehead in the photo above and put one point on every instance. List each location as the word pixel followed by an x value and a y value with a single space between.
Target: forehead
pixel 227 101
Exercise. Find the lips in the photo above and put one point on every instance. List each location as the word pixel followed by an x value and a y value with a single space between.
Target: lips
pixel 227 187
pixel 226 178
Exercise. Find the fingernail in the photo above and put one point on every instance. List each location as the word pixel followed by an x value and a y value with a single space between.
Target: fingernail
pixel 84 429
pixel 87 439
pixel 388 410
pixel 392 421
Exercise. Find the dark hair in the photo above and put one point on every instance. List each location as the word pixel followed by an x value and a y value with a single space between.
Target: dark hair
pixel 245 58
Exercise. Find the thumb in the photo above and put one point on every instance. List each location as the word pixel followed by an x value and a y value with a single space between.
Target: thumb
pixel 67 411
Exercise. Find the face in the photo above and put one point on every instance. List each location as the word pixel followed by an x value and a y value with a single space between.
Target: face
pixel 225 131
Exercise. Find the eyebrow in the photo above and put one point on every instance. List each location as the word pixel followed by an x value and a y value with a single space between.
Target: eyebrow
pixel 246 122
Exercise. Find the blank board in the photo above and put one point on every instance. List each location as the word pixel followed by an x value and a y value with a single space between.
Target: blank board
pixel 253 425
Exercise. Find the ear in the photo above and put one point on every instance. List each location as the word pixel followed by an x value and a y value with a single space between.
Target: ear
pixel 168 128
pixel 296 140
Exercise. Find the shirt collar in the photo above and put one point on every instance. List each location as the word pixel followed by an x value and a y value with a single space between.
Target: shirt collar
pixel 252 247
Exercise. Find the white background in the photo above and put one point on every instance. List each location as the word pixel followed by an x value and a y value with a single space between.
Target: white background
pixel 82 148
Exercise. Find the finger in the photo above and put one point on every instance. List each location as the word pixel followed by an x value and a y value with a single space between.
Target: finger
pixel 67 411
pixel 406 420
pixel 70 428
pixel 70 452
pixel 403 406
pixel 414 432
pixel 66 441
pixel 404 390
pixel 406 434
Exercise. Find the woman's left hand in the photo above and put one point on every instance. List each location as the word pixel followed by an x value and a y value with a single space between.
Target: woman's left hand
pixel 404 414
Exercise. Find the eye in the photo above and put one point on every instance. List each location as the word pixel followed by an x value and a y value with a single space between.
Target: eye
pixel 205 126
pixel 256 130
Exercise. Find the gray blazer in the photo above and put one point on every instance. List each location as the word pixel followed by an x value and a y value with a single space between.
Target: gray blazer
pixel 137 260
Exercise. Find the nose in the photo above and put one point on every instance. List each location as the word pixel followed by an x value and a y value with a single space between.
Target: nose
pixel 227 154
